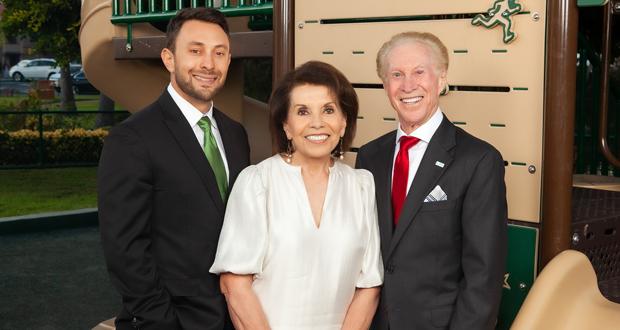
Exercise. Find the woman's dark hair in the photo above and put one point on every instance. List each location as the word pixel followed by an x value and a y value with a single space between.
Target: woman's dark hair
pixel 318 74
pixel 207 15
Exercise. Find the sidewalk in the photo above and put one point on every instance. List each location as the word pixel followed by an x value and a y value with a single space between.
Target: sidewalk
pixel 54 280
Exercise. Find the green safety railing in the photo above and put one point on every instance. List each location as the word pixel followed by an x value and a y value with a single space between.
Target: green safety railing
pixel 150 11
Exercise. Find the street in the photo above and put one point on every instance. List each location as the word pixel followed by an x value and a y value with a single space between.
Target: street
pixel 8 87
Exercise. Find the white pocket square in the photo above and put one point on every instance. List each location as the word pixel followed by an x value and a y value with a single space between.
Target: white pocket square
pixel 437 195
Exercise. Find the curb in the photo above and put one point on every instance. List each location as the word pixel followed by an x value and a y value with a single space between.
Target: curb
pixel 49 221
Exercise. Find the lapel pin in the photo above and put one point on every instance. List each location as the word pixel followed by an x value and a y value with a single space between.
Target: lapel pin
pixel 440 164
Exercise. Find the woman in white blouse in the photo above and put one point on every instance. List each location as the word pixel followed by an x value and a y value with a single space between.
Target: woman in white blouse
pixel 299 248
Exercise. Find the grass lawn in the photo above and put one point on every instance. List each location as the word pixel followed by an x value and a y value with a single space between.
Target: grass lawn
pixel 45 190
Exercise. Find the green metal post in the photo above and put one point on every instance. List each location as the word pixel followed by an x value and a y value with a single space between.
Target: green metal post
pixel 166 5
pixel 116 8
pixel 139 7
pixel 225 3
pixel 127 7
pixel 209 4
pixel 241 3
pixel 41 142
pixel 179 4
pixel 194 3
pixel 128 45
pixel 151 6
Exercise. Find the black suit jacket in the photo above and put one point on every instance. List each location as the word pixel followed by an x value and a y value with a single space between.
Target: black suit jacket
pixel 160 216
pixel 444 262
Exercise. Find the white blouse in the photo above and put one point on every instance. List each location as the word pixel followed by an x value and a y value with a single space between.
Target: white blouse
pixel 304 276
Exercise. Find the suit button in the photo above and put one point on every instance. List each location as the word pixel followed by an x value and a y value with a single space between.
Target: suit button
pixel 389 269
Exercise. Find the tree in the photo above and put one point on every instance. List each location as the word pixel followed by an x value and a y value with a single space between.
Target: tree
pixel 53 26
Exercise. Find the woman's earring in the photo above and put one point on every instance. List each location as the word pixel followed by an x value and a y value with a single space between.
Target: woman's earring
pixel 341 150
pixel 445 90
pixel 289 152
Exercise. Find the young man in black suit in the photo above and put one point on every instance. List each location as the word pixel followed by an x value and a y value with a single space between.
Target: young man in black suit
pixel 441 201
pixel 163 179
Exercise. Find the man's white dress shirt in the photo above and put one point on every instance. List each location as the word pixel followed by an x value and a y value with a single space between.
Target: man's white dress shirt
pixel 193 115
pixel 424 133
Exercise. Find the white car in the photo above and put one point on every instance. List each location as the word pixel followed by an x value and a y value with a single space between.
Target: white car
pixel 38 68
pixel 55 77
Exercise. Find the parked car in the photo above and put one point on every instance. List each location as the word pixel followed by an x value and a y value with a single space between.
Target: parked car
pixel 81 85
pixel 23 62
pixel 55 77
pixel 38 68
pixel 17 68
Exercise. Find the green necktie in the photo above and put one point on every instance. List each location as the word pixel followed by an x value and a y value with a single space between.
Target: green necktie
pixel 214 156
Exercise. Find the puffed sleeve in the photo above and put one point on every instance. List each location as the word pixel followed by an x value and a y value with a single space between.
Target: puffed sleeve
pixel 243 240
pixel 371 274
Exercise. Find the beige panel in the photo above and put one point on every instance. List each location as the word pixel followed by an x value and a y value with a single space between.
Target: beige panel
pixel 520 112
pixel 523 193
pixel 321 9
pixel 520 66
pixel 230 98
pixel 375 116
pixel 349 158
pixel 256 123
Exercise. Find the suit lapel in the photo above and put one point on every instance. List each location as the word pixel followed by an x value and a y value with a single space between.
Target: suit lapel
pixel 231 147
pixel 426 178
pixel 382 158
pixel 185 138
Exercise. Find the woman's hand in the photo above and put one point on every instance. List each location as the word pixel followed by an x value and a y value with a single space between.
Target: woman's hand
pixel 362 309
pixel 244 307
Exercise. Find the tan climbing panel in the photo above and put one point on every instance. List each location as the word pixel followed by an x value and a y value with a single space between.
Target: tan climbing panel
pixel 500 87
pixel 353 48
pixel 328 9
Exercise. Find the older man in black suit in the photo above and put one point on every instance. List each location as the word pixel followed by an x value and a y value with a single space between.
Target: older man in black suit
pixel 441 201
pixel 164 177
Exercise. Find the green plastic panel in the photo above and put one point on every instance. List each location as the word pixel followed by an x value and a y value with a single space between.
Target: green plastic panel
pixel 591 3
pixel 520 272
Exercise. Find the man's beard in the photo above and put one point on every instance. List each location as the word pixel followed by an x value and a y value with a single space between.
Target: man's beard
pixel 187 88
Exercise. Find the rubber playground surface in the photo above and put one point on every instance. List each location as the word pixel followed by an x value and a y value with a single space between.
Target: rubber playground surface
pixel 54 280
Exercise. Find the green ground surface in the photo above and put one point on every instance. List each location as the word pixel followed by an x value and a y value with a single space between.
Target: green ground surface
pixel 45 190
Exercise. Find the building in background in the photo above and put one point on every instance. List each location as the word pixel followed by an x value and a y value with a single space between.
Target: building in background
pixel 12 50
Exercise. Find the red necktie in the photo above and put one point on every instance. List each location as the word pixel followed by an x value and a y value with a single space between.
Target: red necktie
pixel 401 173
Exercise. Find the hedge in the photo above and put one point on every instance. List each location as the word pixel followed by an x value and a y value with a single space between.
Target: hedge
pixel 60 146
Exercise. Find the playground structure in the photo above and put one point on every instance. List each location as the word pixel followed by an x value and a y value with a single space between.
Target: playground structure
pixel 512 80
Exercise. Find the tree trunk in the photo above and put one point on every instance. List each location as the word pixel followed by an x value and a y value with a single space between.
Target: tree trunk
pixel 67 99
pixel 105 117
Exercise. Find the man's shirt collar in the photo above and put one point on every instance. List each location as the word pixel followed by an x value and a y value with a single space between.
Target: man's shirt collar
pixel 426 131
pixel 191 113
